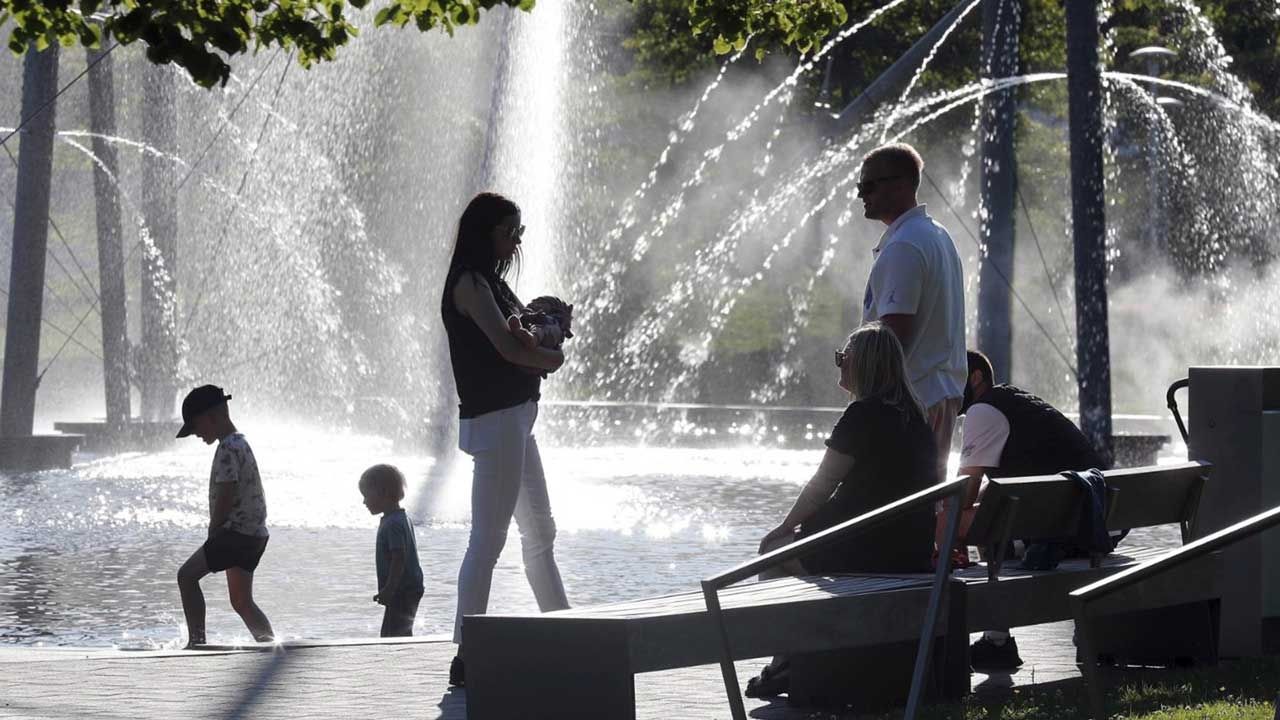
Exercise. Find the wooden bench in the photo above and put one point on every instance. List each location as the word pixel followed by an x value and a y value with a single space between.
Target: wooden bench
pixel 581 663
pixel 1000 595
pixel 1147 585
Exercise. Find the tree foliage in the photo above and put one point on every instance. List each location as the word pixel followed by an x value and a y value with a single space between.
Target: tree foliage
pixel 672 38
pixel 798 24
pixel 202 35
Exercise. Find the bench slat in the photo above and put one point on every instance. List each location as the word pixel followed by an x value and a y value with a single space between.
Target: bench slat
pixel 1130 556
pixel 820 623
pixel 784 590
pixel 1049 506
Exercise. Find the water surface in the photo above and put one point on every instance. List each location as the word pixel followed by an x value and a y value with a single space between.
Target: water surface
pixel 88 556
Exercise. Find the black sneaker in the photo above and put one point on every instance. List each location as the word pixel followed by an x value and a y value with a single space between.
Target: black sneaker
pixel 457 673
pixel 773 680
pixel 986 655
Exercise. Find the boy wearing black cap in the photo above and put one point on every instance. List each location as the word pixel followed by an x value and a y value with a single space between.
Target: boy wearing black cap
pixel 237 517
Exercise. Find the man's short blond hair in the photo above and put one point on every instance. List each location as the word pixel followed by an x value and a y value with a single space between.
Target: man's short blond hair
pixel 386 480
pixel 902 158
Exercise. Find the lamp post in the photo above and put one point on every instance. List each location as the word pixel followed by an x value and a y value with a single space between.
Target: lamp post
pixel 998 180
pixel 1088 223
pixel 1153 59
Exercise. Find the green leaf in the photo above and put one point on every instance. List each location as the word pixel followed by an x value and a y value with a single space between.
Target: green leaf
pixel 388 14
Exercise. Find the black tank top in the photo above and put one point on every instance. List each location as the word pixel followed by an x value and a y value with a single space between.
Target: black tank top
pixel 486 382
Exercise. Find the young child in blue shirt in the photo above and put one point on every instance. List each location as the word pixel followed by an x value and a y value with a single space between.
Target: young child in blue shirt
pixel 396 550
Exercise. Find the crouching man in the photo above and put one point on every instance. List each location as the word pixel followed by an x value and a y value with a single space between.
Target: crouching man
pixel 1009 432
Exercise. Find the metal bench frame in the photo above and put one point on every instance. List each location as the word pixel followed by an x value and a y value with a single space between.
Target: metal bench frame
pixel 1091 601
pixel 928 497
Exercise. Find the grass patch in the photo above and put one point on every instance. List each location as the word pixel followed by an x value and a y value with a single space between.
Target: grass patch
pixel 1235 690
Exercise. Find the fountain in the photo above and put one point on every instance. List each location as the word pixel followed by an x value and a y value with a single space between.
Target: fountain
pixel 713 275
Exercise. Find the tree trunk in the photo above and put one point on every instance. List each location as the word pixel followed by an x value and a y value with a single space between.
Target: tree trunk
pixel 1088 223
pixel 30 243
pixel 115 338
pixel 998 179
pixel 158 361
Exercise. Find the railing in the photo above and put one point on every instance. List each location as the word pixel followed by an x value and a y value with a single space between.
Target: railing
pixel 1082 597
pixel 712 585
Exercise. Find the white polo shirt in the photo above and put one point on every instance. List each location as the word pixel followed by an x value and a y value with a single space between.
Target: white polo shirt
pixel 917 271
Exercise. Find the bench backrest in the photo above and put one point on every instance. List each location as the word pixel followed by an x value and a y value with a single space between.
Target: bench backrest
pixel 1050 506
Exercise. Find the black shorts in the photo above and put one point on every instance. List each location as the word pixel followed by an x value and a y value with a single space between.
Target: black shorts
pixel 229 549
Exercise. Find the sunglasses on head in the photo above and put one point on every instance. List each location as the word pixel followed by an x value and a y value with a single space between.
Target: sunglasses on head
pixel 866 187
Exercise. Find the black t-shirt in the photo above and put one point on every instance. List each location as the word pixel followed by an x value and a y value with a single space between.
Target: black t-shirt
pixel 893 456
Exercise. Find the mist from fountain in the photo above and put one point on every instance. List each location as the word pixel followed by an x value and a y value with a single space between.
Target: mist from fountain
pixel 719 273
pixel 314 233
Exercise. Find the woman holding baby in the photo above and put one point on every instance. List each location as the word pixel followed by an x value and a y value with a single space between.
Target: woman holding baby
pixel 498 365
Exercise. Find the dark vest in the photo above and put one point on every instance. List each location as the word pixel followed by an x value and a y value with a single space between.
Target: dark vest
pixel 1042 441
pixel 486 381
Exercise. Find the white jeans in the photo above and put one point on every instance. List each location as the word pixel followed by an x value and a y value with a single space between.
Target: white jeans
pixel 507 480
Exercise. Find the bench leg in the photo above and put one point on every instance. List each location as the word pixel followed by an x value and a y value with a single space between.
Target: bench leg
pixel 1161 635
pixel 548 671
pixel 878 678
pixel 953 653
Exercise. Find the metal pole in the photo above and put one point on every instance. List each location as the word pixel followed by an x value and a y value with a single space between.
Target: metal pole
pixel 487 173
pixel 159 359
pixel 1088 223
pixel 1158 230
pixel 936 598
pixel 30 243
pixel 900 70
pixel 115 339
pixel 998 180
pixel 733 691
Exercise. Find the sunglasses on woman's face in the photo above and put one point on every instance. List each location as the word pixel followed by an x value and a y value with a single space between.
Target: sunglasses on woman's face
pixel 517 232
pixel 840 356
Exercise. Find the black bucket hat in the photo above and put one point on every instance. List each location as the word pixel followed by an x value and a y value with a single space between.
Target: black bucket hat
pixel 198 402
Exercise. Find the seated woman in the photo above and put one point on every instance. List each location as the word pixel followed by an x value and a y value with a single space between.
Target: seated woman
pixel 880 450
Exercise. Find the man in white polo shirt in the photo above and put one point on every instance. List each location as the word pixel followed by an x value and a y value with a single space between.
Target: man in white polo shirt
pixel 916 286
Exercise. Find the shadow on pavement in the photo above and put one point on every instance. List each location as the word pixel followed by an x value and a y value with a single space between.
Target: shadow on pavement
pixel 453 705
pixel 255 692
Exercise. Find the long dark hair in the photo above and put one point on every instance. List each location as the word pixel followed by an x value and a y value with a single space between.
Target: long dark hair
pixel 473 249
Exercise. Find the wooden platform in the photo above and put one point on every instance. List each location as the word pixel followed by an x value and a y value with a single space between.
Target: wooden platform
pixel 137 436
pixel 29 453
pixel 370 678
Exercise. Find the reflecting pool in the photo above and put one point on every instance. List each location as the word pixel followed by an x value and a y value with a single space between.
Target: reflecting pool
pixel 88 556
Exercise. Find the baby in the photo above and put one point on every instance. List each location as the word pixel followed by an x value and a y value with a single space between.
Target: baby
pixel 534 326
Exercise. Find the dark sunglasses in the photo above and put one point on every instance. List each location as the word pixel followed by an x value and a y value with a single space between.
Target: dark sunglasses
pixel 840 356
pixel 517 232
pixel 866 187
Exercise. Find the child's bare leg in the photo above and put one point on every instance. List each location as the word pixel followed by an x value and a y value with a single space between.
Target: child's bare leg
pixel 240 587
pixel 189 576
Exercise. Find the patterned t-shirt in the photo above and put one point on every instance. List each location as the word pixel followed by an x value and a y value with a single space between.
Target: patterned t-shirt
pixel 236 471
